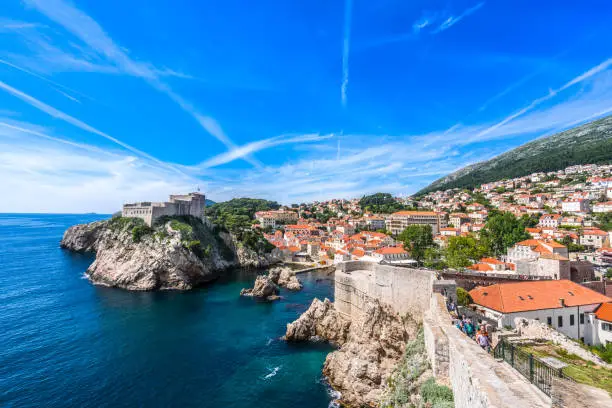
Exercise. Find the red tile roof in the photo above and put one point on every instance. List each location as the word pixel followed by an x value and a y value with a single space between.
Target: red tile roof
pixel 604 312
pixel 594 231
pixel 390 251
pixel 481 267
pixel 410 213
pixel 538 295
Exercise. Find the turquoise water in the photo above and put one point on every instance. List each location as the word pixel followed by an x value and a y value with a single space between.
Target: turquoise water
pixel 65 342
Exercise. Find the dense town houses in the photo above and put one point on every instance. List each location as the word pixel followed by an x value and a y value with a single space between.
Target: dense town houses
pixel 566 214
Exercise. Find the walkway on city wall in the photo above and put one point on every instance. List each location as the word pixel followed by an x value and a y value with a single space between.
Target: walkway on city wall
pixel 477 380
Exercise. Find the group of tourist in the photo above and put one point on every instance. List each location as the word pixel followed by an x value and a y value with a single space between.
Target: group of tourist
pixel 476 331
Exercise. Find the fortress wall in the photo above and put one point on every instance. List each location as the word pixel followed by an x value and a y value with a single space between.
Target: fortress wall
pixel 405 290
pixel 477 380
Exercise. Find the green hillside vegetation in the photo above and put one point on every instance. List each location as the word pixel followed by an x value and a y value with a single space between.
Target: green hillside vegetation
pixel 238 213
pixel 587 144
pixel 236 216
pixel 381 203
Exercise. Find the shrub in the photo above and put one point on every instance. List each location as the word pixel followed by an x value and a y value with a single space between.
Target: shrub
pixel 180 226
pixel 463 297
pixel 140 231
pixel 605 352
pixel 435 394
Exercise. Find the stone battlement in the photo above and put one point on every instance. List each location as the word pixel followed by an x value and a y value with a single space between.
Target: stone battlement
pixel 357 281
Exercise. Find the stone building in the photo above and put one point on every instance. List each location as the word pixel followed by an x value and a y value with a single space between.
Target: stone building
pixel 399 221
pixel 181 204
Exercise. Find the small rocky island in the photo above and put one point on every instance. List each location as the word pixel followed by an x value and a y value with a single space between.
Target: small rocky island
pixel 267 286
pixel 178 252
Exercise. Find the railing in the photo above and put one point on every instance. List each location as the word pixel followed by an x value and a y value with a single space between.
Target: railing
pixel 536 371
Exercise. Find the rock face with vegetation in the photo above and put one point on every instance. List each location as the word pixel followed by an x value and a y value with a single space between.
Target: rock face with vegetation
pixel 371 348
pixel 587 144
pixel 177 253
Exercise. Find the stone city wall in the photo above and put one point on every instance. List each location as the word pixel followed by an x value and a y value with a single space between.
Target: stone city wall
pixel 477 380
pixel 406 290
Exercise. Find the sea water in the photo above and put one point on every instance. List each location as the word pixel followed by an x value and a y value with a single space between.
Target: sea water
pixel 67 343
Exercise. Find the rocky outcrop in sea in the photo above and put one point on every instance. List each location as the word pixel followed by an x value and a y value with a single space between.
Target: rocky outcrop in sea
pixel 370 347
pixel 176 254
pixel 264 288
pixel 285 277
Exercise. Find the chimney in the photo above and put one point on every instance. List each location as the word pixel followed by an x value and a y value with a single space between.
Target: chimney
pixel 562 302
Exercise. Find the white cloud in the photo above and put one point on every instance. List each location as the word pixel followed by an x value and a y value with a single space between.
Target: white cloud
pixel 346 45
pixel 101 45
pixel 452 20
pixel 259 145
pixel 551 94
pixel 50 110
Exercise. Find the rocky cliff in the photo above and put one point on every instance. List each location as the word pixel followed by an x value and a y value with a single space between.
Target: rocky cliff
pixel 178 253
pixel 370 347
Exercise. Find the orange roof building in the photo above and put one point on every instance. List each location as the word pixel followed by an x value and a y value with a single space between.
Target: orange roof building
pixel 536 295
pixel 604 312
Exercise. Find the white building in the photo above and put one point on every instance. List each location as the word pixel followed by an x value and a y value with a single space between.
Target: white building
pixel 399 221
pixel 534 257
pixel 601 323
pixel 562 304
pixel 180 204
pixel 375 223
pixel 577 205
pixel 391 254
pixel 273 218
pixel 550 220
pixel 602 207
pixel 593 237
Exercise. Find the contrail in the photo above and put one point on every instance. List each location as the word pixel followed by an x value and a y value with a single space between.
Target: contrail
pixel 348 8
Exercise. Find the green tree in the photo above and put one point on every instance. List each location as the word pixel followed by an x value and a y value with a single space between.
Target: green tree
pixel 530 220
pixel 501 232
pixel 571 247
pixel 416 239
pixel 433 259
pixel 463 251
pixel 604 220
pixel 463 297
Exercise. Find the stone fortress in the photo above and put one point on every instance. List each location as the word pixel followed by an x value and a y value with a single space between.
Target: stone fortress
pixel 179 204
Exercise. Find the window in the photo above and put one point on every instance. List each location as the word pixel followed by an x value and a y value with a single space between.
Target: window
pixel 560 321
pixel 581 318
pixel 571 320
pixel 549 321
pixel 606 326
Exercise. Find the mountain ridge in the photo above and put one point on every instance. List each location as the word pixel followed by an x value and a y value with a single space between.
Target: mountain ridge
pixel 590 143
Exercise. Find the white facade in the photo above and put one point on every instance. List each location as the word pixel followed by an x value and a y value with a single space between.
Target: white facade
pixel 566 320
pixel 398 222
pixel 602 207
pixel 600 331
pixel 575 206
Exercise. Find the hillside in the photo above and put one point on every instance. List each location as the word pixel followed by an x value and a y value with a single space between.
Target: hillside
pixel 589 143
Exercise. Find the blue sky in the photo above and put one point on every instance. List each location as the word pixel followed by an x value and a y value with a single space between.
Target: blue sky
pixel 109 101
